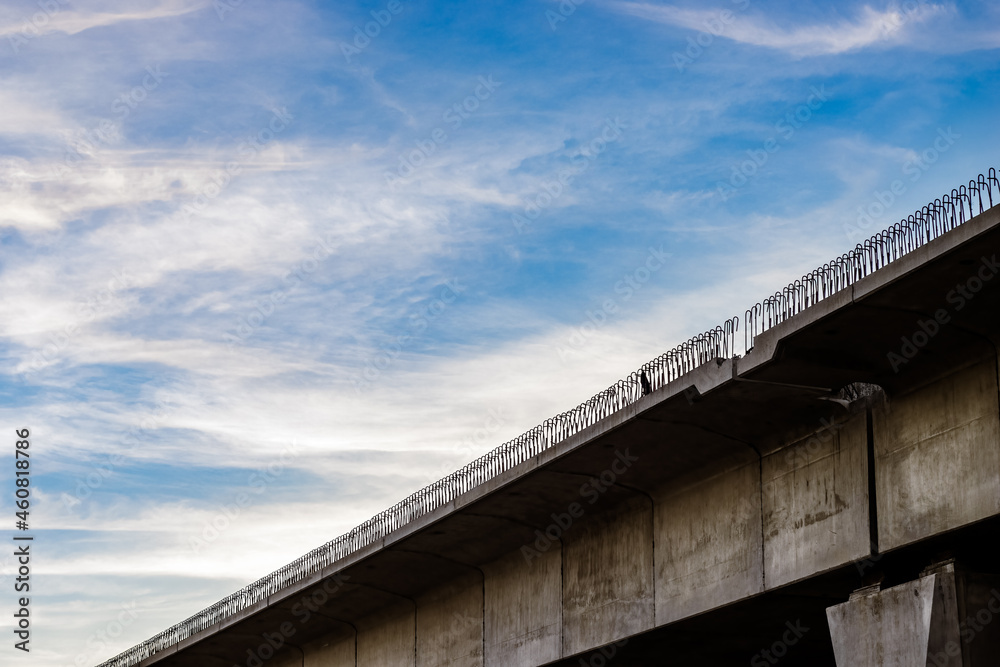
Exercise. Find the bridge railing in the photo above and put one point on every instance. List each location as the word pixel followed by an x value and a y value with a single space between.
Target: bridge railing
pixel 923 226
pixel 928 223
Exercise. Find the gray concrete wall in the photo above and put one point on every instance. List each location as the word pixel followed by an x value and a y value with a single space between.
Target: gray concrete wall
pixel 331 652
pixel 708 544
pixel 450 625
pixel 815 499
pixel 608 577
pixel 931 442
pixel 524 609
pixel 388 640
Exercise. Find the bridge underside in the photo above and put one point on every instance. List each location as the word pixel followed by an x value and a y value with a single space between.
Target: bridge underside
pixel 748 513
pixel 754 631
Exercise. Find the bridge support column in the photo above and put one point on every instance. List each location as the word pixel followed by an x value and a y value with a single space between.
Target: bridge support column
pixel 942 619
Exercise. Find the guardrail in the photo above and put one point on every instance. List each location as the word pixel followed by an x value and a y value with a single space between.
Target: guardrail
pixel 930 222
pixel 923 226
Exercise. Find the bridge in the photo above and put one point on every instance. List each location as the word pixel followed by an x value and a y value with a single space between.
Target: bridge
pixel 816 482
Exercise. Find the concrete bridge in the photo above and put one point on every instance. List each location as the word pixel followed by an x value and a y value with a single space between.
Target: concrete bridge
pixel 830 497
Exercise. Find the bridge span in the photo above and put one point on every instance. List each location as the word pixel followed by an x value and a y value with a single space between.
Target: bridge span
pixel 820 488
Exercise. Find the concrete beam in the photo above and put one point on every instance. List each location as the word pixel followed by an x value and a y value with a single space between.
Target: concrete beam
pixel 388 639
pixel 331 652
pixel 524 609
pixel 708 544
pixel 815 499
pixel 608 577
pixel 937 454
pixel 450 625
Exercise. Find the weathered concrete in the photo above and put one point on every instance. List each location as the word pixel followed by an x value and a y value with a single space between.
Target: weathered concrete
pixel 930 444
pixel 524 609
pixel 450 625
pixel 946 618
pixel 815 498
pixel 388 639
pixel 608 577
pixel 708 544
pixel 332 652
pixel 899 627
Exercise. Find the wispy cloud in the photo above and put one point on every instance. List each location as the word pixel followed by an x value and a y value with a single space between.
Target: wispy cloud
pixel 869 28
pixel 58 16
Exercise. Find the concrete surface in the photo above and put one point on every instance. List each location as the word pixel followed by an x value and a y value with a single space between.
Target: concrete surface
pixel 608 577
pixel 450 624
pixel 388 639
pixel 524 609
pixel 815 500
pixel 332 652
pixel 708 538
pixel 938 456
pixel 898 627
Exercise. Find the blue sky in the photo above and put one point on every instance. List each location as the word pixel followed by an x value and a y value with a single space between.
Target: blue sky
pixel 245 250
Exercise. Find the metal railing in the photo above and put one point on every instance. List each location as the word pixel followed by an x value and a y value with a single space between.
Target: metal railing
pixel 928 223
pixel 933 220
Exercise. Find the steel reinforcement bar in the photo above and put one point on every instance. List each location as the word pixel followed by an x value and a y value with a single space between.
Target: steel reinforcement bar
pixel 925 225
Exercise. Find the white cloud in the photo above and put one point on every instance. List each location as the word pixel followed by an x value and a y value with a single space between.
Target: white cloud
pixel 870 28
pixel 55 18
